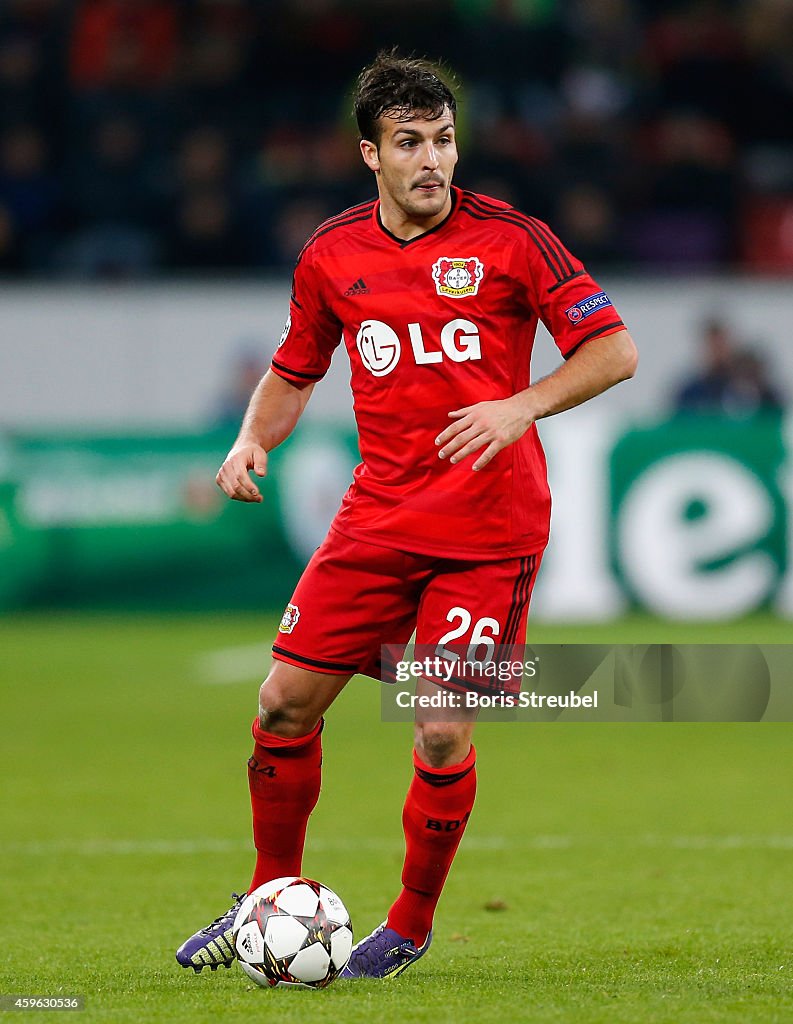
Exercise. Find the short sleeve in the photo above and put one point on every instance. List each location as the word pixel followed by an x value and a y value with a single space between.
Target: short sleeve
pixel 570 303
pixel 312 332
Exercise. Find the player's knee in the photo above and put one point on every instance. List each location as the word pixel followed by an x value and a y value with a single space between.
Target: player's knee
pixel 281 712
pixel 440 744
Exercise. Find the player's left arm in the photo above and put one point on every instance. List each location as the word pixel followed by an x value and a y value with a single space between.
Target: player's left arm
pixel 591 370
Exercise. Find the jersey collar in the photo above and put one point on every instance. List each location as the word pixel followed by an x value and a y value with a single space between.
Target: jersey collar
pixel 403 242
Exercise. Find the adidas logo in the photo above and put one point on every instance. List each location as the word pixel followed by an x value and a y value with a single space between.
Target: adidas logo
pixel 358 288
pixel 247 945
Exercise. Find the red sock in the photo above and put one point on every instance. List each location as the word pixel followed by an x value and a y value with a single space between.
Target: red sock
pixel 436 812
pixel 284 780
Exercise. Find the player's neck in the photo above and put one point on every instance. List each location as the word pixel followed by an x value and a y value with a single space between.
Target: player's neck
pixel 406 226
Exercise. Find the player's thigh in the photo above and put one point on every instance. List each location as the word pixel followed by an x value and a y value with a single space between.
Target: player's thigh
pixel 352 598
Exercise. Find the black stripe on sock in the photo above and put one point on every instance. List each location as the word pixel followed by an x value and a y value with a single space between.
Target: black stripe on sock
pixel 443 780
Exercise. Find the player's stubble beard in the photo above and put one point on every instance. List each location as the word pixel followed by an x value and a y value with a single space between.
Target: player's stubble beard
pixel 411 202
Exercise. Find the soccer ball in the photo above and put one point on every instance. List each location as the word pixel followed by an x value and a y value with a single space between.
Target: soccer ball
pixel 292 931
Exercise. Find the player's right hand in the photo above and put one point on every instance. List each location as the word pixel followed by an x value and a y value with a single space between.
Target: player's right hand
pixel 233 478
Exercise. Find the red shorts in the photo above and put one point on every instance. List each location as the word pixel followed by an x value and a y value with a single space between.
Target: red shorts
pixel 355 597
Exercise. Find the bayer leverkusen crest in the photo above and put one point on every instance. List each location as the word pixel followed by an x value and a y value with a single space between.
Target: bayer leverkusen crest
pixel 457 277
pixel 289 618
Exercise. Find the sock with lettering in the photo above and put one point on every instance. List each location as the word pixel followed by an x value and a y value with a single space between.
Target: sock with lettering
pixel 284 780
pixel 437 808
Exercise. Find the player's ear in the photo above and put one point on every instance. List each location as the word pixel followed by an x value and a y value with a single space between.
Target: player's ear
pixel 370 155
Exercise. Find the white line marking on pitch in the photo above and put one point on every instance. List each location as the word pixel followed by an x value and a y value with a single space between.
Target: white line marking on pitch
pixel 187 847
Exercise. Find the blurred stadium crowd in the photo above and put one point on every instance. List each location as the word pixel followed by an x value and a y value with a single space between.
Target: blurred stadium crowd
pixel 146 136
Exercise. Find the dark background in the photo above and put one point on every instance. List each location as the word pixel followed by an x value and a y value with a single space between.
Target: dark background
pixel 143 137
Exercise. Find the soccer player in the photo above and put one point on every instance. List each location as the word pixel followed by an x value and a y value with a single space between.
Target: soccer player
pixel 436 293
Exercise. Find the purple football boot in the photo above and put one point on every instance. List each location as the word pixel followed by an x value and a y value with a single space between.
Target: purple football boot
pixel 212 946
pixel 383 954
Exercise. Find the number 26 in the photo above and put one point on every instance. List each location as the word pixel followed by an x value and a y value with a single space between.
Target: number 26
pixel 479 638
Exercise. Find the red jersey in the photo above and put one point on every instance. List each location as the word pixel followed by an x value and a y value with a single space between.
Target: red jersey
pixel 436 323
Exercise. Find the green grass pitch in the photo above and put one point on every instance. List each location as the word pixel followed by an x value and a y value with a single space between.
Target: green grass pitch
pixel 610 873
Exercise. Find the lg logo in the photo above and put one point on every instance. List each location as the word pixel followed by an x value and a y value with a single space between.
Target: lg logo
pixel 380 347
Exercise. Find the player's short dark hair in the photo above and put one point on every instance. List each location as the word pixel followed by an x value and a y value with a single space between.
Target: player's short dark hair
pixel 400 87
